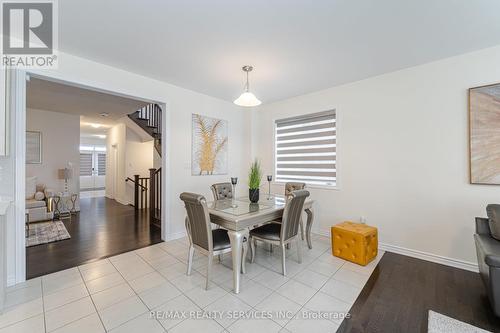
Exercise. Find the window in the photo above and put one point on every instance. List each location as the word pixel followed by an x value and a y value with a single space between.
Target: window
pixel 306 149
pixel 92 161
pixel 101 164
pixel 85 164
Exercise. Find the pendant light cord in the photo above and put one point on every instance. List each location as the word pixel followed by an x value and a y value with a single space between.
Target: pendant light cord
pixel 247 86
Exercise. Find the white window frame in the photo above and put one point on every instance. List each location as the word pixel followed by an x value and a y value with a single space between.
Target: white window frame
pixel 94 150
pixel 335 187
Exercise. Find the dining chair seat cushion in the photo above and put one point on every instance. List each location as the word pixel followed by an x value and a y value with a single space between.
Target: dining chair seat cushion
pixel 220 239
pixel 270 231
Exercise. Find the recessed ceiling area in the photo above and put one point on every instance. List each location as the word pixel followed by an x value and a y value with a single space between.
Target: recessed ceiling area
pixel 88 104
pixel 296 47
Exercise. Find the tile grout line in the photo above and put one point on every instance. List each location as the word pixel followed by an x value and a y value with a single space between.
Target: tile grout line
pixel 185 295
pixel 272 292
pixel 30 317
pixel 89 295
pixel 43 306
pixel 92 300
pixel 275 291
pixel 133 290
pixel 301 306
pixel 319 290
pixel 219 285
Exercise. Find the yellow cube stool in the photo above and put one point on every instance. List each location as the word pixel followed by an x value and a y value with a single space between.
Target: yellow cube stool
pixel 355 242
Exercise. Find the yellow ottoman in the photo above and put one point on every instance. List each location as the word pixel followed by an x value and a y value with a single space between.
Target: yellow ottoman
pixel 355 242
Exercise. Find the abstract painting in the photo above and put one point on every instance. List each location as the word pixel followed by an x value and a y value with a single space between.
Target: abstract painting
pixel 484 132
pixel 209 150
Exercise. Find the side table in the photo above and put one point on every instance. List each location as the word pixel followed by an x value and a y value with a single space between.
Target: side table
pixel 65 205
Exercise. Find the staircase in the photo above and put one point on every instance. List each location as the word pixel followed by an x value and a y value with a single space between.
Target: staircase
pixel 149 119
pixel 147 191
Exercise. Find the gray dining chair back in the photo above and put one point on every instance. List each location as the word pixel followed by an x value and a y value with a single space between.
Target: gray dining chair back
pixel 289 188
pixel 285 231
pixel 292 214
pixel 201 236
pixel 222 191
pixel 198 220
pixel 293 186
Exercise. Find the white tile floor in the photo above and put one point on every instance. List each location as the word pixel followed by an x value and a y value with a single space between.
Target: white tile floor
pixel 119 293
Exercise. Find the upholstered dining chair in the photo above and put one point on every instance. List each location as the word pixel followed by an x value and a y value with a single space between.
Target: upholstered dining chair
pixel 285 232
pixel 289 188
pixel 201 236
pixel 222 191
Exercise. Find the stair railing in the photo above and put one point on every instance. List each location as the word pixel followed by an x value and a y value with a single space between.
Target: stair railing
pixel 155 202
pixel 140 191
pixel 149 118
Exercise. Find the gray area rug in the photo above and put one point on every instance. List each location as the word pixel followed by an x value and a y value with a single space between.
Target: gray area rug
pixel 439 323
pixel 46 232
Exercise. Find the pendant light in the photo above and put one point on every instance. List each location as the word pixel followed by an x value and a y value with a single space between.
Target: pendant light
pixel 247 98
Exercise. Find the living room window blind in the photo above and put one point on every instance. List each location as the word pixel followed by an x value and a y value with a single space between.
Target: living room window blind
pixel 306 149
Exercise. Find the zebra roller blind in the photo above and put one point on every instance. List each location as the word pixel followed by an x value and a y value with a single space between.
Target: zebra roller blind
pixel 306 149
pixel 85 164
pixel 101 164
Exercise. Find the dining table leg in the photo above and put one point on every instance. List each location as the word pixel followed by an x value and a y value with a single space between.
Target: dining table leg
pixel 236 239
pixel 310 218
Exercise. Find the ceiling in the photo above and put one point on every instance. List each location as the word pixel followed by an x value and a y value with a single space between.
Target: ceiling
pixel 295 46
pixel 88 104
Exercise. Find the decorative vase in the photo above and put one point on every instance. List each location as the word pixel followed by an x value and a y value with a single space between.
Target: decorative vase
pixel 253 195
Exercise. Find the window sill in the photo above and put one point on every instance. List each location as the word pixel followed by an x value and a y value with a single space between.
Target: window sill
pixel 321 187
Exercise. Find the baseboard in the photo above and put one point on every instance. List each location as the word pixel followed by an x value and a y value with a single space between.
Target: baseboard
pixel 122 201
pixel 11 280
pixel 176 235
pixel 468 266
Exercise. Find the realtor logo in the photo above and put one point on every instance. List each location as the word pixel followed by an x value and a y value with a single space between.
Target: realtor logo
pixel 29 34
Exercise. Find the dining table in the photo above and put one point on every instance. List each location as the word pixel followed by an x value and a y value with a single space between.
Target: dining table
pixel 240 215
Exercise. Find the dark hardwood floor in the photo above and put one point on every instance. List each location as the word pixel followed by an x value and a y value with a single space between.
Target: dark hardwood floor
pixel 102 228
pixel 402 290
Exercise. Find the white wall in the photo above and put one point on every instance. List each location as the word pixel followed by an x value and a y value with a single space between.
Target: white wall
pixel 91 141
pixel 115 163
pixel 60 145
pixel 127 156
pixel 402 153
pixel 138 161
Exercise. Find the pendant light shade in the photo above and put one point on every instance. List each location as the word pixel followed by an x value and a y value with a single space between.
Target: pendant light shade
pixel 247 98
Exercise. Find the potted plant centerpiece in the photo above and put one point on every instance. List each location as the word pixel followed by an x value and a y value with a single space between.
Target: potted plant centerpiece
pixel 254 177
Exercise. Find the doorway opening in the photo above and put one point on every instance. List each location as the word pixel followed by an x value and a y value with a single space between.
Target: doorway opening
pixel 89 149
pixel 92 170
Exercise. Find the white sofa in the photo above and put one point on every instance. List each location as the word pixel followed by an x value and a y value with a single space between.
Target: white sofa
pixel 36 201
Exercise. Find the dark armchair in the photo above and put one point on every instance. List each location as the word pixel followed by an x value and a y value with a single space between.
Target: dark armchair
pixel 488 258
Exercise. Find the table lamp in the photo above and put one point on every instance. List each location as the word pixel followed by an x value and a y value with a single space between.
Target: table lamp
pixel 65 174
